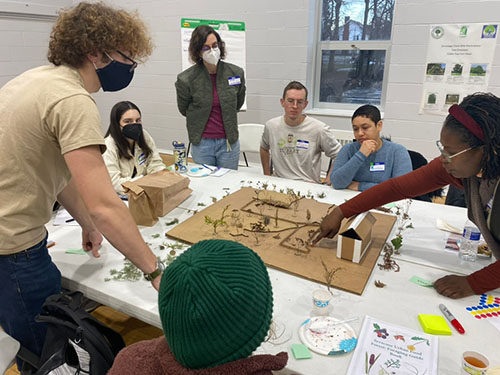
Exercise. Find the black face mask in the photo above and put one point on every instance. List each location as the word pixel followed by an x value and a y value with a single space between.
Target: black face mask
pixel 115 76
pixel 133 131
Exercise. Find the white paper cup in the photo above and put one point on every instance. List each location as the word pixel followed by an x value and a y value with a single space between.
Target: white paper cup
pixel 474 363
pixel 321 301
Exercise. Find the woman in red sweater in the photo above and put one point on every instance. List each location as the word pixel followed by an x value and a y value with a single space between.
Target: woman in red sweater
pixel 470 159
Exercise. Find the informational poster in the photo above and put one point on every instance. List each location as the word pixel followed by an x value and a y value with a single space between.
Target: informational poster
pixel 232 34
pixel 459 62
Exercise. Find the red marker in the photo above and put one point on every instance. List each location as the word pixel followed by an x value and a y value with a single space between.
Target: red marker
pixel 454 322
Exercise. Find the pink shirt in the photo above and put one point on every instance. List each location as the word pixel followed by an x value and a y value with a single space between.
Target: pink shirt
pixel 215 125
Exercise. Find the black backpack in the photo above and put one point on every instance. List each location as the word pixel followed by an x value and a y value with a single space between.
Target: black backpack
pixel 67 320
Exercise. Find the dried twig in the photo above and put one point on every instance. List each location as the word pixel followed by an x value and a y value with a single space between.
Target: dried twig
pixel 379 284
pixel 389 263
pixel 238 234
pixel 329 274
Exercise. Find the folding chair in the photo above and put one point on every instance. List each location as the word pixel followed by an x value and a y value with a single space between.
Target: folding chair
pixel 10 347
pixel 250 136
pixel 11 350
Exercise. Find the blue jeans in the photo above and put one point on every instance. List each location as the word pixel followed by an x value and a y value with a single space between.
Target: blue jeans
pixel 214 152
pixel 27 278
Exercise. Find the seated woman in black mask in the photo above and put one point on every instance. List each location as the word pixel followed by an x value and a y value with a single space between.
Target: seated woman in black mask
pixel 130 150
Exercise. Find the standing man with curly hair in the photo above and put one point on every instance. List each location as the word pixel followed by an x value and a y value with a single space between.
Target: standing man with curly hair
pixel 50 145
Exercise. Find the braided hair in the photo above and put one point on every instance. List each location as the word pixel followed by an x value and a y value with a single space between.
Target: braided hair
pixel 484 108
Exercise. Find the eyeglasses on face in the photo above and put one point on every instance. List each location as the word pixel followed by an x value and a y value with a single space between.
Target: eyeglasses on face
pixel 299 102
pixel 206 47
pixel 446 155
pixel 132 66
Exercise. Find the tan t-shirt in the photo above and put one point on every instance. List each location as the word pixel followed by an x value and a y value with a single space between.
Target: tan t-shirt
pixel 45 112
pixel 296 150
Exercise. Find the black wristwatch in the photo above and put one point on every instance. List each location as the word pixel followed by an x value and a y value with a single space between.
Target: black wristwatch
pixel 157 272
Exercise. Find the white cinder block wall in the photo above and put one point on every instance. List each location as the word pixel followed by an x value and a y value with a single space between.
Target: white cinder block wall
pixel 279 46
pixel 23 42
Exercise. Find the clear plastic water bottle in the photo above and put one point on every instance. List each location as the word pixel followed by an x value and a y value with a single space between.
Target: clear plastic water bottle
pixel 469 242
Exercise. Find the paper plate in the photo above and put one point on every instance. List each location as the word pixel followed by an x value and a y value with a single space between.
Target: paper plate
pixel 321 335
pixel 198 172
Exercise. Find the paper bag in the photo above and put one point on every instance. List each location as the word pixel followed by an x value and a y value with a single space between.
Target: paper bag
pixel 155 195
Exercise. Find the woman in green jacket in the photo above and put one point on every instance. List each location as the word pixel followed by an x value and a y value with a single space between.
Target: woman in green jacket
pixel 209 95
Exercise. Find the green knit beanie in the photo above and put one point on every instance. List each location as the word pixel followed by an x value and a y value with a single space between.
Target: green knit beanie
pixel 215 303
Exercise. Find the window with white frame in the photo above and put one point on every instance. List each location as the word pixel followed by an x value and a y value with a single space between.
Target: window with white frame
pixel 354 39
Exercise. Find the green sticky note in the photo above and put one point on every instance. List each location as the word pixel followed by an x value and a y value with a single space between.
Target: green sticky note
pixel 434 324
pixel 75 251
pixel 419 281
pixel 390 205
pixel 301 351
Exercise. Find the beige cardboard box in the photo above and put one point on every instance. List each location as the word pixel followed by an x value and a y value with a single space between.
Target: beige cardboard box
pixel 355 237
pixel 155 195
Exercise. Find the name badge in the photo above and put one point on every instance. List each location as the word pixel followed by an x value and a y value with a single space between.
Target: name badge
pixel 304 145
pixel 141 159
pixel 489 205
pixel 234 81
pixel 377 167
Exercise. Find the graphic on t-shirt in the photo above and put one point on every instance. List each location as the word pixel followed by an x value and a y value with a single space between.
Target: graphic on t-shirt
pixel 289 146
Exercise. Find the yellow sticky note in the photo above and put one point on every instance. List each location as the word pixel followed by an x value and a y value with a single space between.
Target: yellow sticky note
pixel 434 324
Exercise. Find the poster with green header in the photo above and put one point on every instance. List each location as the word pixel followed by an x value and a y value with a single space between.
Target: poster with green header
pixel 459 62
pixel 231 32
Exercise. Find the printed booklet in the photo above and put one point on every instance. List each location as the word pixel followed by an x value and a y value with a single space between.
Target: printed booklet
pixel 387 349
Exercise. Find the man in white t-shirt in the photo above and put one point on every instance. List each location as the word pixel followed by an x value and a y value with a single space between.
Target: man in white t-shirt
pixel 294 141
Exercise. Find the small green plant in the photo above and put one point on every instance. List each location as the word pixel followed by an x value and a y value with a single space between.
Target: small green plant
pixel 217 222
pixel 321 195
pixel 175 221
pixel 403 222
pixel 169 259
pixel 176 246
pixel 129 272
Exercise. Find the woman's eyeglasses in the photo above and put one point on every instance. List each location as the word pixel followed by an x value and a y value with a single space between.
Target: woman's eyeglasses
pixel 206 48
pixel 448 156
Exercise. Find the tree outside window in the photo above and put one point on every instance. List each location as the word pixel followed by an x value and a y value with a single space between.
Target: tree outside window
pixel 353 48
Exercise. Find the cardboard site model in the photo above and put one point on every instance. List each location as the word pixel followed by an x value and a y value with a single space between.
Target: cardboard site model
pixel 279 230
